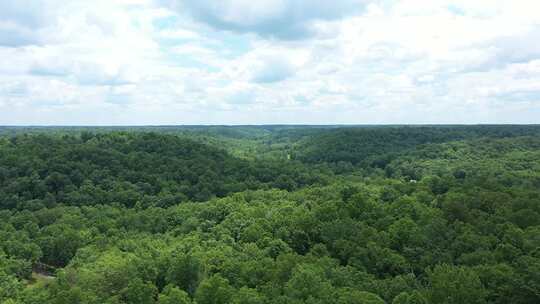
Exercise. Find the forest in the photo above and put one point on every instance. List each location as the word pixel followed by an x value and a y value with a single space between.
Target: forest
pixel 270 214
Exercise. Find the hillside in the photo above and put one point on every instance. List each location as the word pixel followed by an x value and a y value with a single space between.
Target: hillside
pixel 128 168
pixel 452 216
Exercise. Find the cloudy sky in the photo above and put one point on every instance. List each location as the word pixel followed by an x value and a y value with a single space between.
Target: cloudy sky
pixel 117 62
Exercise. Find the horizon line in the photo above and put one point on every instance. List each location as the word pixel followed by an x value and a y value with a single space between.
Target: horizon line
pixel 258 125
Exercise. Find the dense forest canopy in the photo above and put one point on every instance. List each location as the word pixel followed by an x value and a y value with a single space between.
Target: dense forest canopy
pixel 270 214
pixel 126 168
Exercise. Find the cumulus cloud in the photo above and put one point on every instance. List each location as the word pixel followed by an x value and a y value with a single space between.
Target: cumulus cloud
pixel 84 73
pixel 272 70
pixel 13 35
pixel 25 22
pixel 510 49
pixel 284 61
pixel 283 19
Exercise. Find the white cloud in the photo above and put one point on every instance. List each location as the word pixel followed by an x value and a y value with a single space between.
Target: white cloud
pixel 284 19
pixel 285 61
pixel 272 70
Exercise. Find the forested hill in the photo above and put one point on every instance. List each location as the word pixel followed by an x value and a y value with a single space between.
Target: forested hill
pixel 377 145
pixel 418 215
pixel 127 168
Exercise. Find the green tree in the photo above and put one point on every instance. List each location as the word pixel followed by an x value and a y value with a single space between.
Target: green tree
pixel 10 287
pixel 350 296
pixel 247 296
pixel 214 290
pixel 414 297
pixel 184 271
pixel 455 285
pixel 308 282
pixel 139 292
pixel 173 295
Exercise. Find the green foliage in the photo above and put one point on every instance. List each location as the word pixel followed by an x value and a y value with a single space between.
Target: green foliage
pixel 307 283
pixel 377 146
pixel 129 169
pixel 414 297
pixel 184 271
pixel 452 285
pixel 214 290
pixel 10 287
pixel 173 295
pixel 356 215
pixel 139 292
pixel 357 297
pixel 247 296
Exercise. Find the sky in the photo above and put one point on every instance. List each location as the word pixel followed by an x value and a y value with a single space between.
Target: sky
pixel 173 62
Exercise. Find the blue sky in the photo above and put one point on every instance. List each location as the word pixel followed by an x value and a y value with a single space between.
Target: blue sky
pixel 140 62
